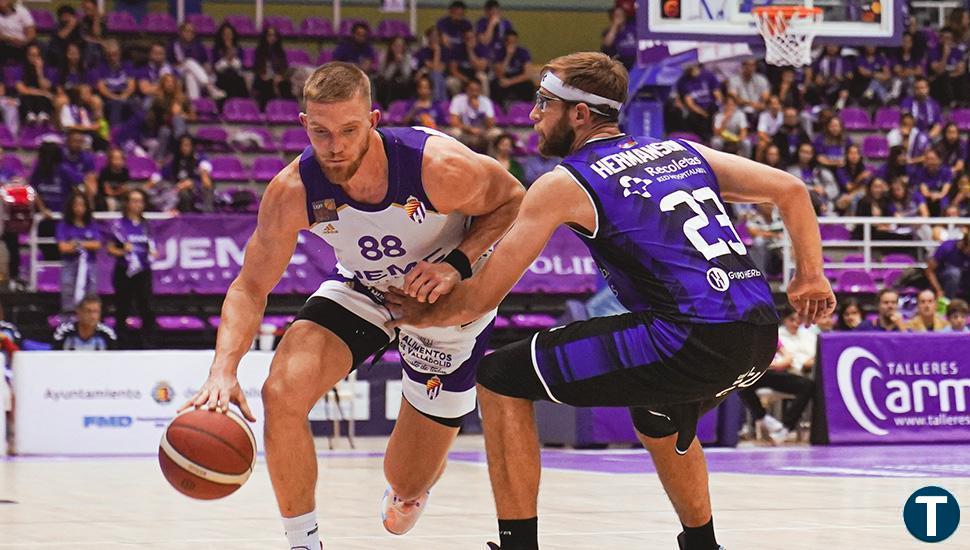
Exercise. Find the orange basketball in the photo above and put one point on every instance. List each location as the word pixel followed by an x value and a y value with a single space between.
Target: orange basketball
pixel 876 7
pixel 672 8
pixel 206 454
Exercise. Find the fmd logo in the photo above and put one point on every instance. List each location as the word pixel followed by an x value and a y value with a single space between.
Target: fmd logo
pixel 931 514
pixel 107 421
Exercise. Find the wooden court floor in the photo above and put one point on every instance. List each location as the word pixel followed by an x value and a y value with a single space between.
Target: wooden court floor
pixel 771 499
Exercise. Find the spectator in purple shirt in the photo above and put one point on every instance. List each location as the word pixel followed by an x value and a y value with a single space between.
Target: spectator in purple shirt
pixel 73 75
pixel 907 66
pixel 948 69
pixel 873 79
pixel 698 95
pixel 620 38
pixel 908 136
pixel 116 84
pixel 78 241
pixel 906 202
pixel 153 71
pixel 513 72
pixel 80 163
pixel 952 149
pixel 190 172
pixel 424 110
pixel 924 109
pixel 357 49
pixel 933 179
pixel 190 58
pixel 432 62
pixel 830 146
pixel 131 243
pixel 468 62
pixel 889 320
pixel 454 26
pixel 395 80
pixel 852 178
pixel 272 78
pixel 92 31
pixel 492 28
pixel 948 271
pixel 830 77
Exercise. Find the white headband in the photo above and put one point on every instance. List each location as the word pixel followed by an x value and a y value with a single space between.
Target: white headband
pixel 562 90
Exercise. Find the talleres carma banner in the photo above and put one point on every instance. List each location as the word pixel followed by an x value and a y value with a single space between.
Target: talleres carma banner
pixel 893 388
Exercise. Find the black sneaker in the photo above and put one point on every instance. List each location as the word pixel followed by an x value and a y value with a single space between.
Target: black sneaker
pixel 682 544
pixel 491 546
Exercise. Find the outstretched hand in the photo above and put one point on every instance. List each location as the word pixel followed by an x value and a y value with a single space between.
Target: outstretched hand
pixel 812 298
pixel 427 281
pixel 406 310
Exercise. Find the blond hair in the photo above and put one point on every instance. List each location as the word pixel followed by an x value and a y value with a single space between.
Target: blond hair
pixel 592 72
pixel 336 81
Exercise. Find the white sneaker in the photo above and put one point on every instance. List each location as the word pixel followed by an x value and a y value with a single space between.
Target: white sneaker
pixel 399 516
pixel 779 436
pixel 771 424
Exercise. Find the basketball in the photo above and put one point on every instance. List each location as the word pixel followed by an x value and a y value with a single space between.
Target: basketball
pixel 672 8
pixel 207 455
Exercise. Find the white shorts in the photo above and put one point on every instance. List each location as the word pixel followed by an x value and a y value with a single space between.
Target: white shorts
pixel 439 363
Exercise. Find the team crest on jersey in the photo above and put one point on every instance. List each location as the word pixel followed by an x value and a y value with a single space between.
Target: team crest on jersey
pixel 635 186
pixel 415 209
pixel 329 229
pixel 433 385
pixel 628 144
pixel 325 210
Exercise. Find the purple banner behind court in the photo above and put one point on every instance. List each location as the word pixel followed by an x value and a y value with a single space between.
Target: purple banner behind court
pixel 894 388
pixel 202 254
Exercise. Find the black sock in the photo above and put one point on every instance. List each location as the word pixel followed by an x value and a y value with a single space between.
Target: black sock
pixel 519 534
pixel 700 538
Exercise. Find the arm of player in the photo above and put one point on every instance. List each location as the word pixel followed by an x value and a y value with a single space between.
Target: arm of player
pixel 460 180
pixel 743 180
pixel 282 214
pixel 554 199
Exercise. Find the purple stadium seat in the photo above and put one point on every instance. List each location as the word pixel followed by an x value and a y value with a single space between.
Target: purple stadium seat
pixel 30 138
pixel 518 113
pixel 890 277
pixel 392 28
pixel 183 322
pixel 239 109
pixel 855 281
pixel 282 23
pixel 121 22
pixel 7 140
pixel 238 200
pixel 244 25
pixel 834 232
pixel 875 147
pixel 533 321
pixel 266 168
pixel 278 321
pixel 326 56
pixel 898 259
pixel 396 112
pixel 282 111
pixel 213 138
pixel 887 118
pixel 140 168
pixel 205 109
pixel 160 22
pixel 296 57
pixel 855 119
pixel 501 119
pixel 204 24
pixel 532 144
pixel 255 138
pixel 248 56
pixel 347 25
pixel 228 168
pixel 319 28
pixel 44 20
pixel 853 259
pixel 133 323
pixel 12 165
pixel 961 117
pixel 294 140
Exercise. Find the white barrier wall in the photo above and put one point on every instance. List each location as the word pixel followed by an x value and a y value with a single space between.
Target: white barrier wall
pixel 114 402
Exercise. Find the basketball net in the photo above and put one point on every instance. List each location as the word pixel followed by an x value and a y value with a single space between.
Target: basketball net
pixel 788 32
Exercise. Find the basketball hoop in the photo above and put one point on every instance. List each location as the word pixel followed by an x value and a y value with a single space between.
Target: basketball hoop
pixel 788 32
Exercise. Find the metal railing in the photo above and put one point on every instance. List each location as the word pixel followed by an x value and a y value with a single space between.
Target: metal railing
pixel 867 245
pixel 34 240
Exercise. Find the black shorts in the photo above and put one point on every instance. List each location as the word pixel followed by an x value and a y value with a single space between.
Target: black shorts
pixel 667 373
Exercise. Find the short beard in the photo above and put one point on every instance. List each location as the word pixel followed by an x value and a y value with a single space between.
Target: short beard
pixel 559 142
pixel 344 174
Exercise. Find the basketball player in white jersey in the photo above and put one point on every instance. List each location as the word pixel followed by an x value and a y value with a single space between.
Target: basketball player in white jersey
pixel 390 201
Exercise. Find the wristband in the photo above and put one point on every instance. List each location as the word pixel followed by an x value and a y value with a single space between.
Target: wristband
pixel 457 259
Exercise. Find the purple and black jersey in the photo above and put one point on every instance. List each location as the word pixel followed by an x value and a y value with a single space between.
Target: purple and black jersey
pixel 663 239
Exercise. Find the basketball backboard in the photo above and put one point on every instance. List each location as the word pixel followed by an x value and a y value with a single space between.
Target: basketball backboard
pixel 849 22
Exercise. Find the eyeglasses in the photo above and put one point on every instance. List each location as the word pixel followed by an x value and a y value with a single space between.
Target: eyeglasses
pixel 542 100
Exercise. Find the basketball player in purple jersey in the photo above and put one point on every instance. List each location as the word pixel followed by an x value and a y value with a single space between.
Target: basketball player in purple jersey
pixel 702 321
pixel 390 201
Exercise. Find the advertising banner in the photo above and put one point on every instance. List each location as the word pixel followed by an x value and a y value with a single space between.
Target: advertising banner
pixel 893 388
pixel 202 254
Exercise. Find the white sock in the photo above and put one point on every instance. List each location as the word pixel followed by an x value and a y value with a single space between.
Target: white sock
pixel 302 532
